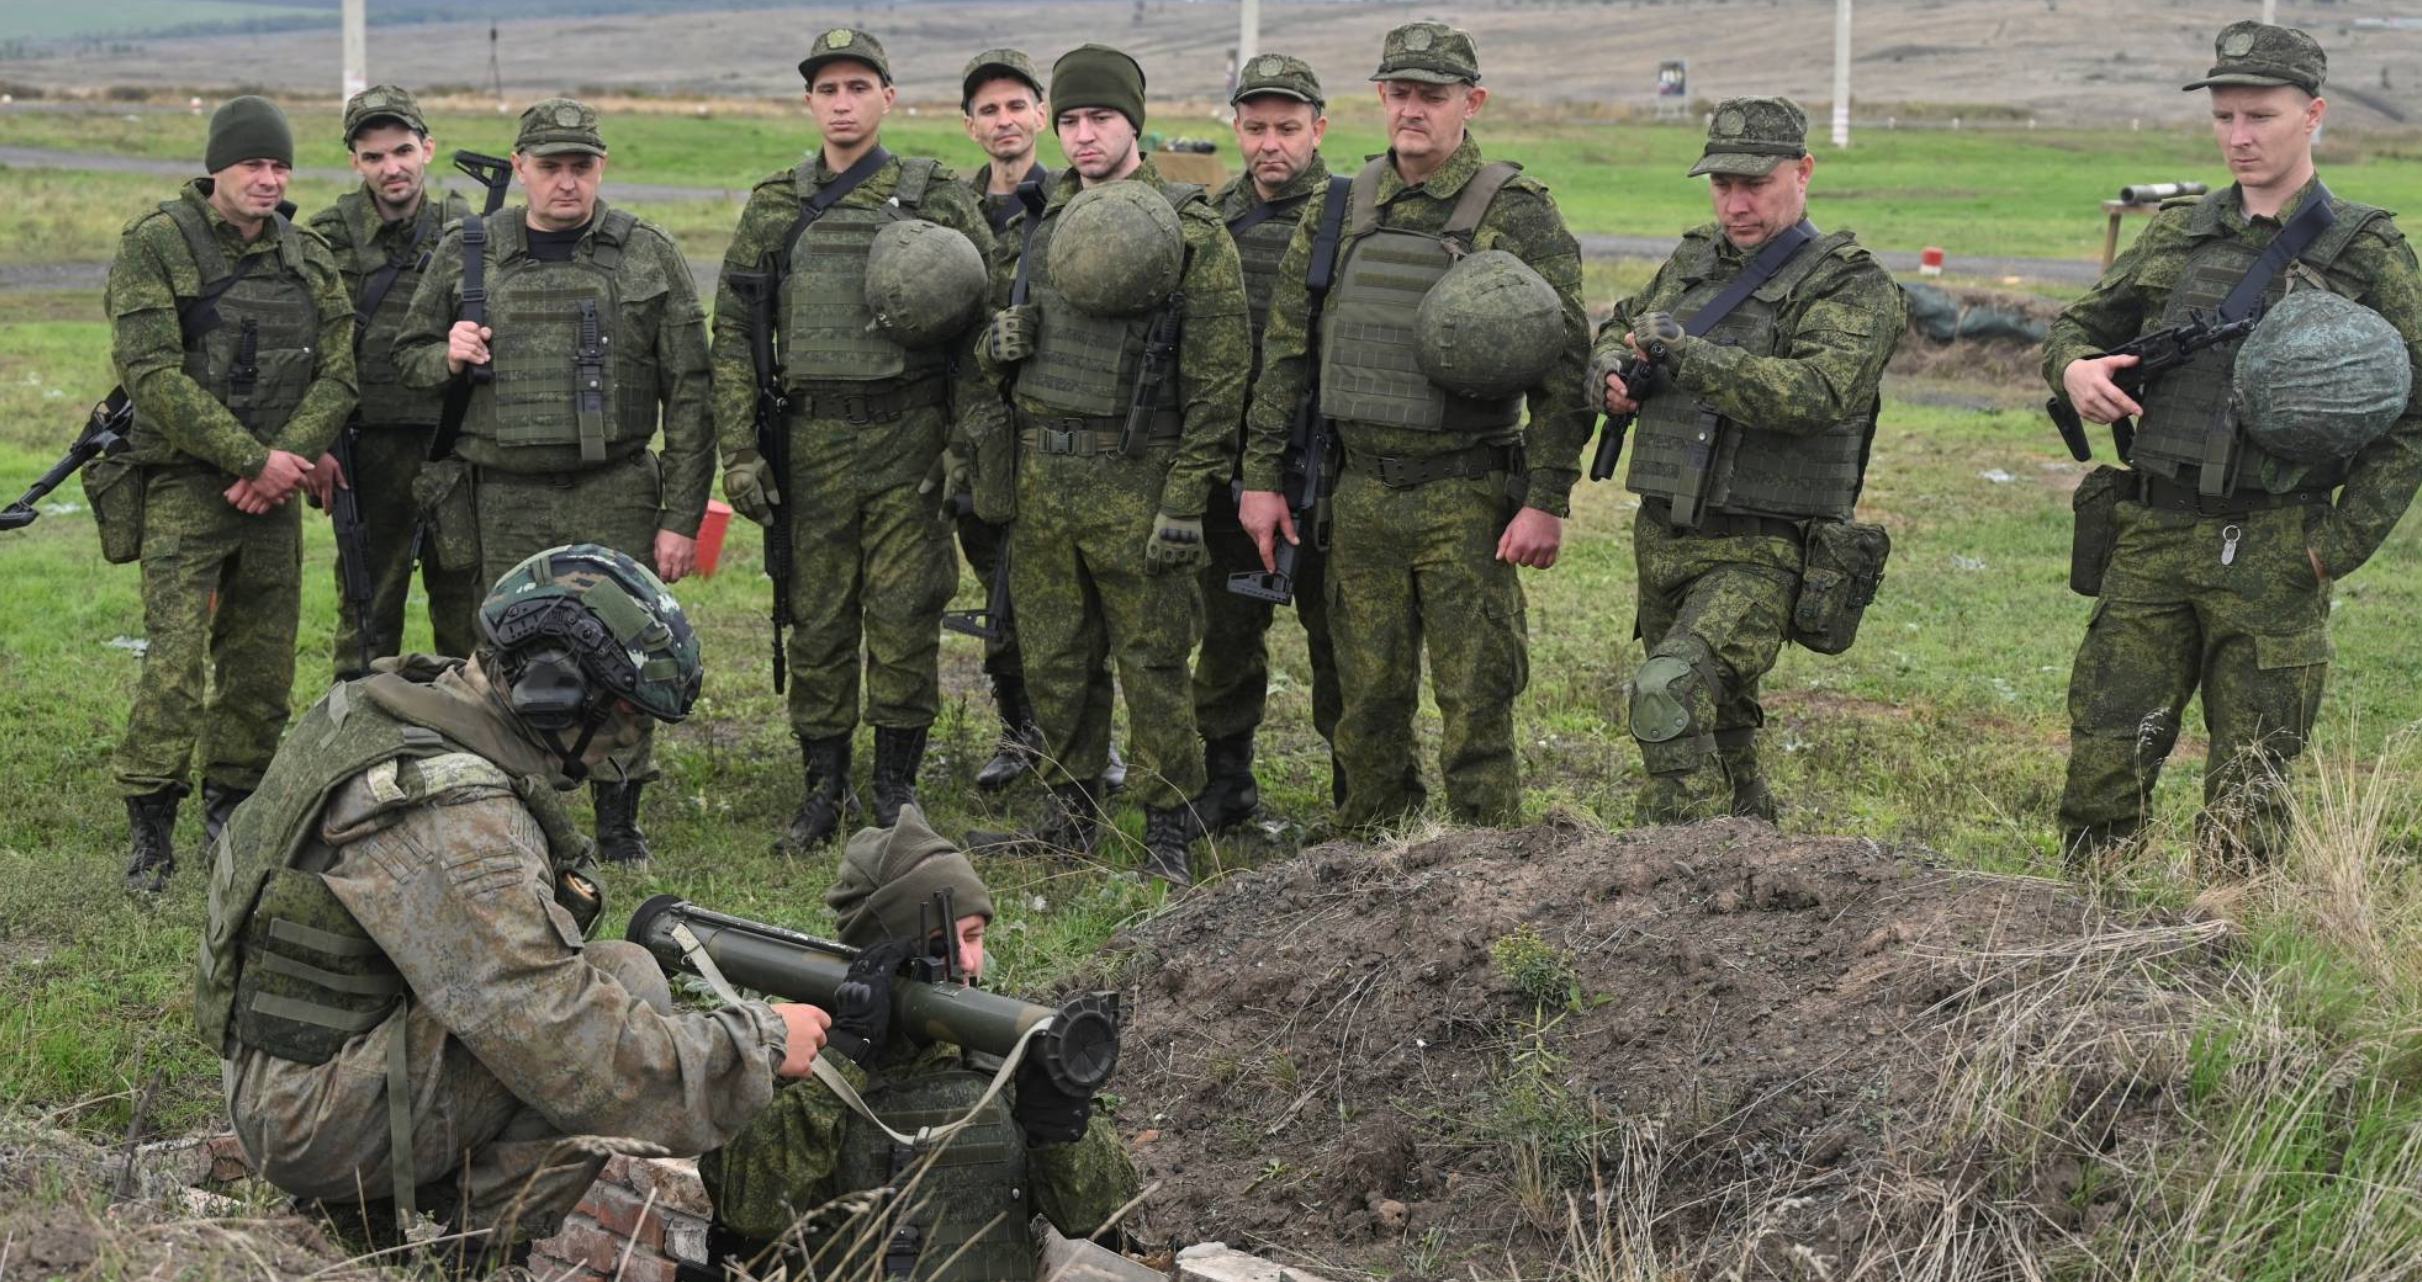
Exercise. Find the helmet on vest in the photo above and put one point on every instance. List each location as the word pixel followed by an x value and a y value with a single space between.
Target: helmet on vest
pixel 1489 328
pixel 2320 378
pixel 924 282
pixel 573 629
pixel 1118 250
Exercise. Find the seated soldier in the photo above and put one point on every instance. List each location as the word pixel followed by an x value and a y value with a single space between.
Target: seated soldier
pixel 784 1184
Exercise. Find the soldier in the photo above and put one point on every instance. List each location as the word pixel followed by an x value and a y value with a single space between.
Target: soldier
pixel 393 967
pixel 1787 334
pixel 1280 120
pixel 593 333
pixel 231 333
pixel 1428 353
pixel 869 407
pixel 2216 549
pixel 381 233
pixel 965 1217
pixel 1124 347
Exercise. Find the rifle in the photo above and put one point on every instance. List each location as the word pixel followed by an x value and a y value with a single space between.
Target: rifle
pixel 758 290
pixel 1160 360
pixel 492 172
pixel 995 619
pixel 352 544
pixel 1642 376
pixel 2157 352
pixel 1307 462
pixel 104 435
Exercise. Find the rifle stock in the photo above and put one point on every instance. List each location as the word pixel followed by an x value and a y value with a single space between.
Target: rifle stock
pixel 756 291
pixel 992 622
pixel 104 433
pixel 495 173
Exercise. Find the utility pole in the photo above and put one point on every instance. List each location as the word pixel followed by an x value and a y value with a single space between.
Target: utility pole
pixel 1841 73
pixel 357 47
pixel 2270 13
pixel 1248 33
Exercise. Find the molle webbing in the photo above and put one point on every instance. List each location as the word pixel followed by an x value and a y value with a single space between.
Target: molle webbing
pixel 828 331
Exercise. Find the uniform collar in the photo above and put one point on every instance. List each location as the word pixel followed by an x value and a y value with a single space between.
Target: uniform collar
pixel 2226 208
pixel 983 179
pixel 361 211
pixel 825 173
pixel 1441 185
pixel 1070 182
pixel 197 193
pixel 1239 195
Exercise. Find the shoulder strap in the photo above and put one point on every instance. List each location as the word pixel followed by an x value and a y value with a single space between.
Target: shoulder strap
pixel 2353 221
pixel 916 174
pixel 814 200
pixel 2299 234
pixel 1366 197
pixel 1034 223
pixel 1180 195
pixel 375 291
pixel 1265 210
pixel 1472 204
pixel 613 233
pixel 475 269
pixel 1779 251
pixel 1805 263
pixel 290 244
pixel 1322 270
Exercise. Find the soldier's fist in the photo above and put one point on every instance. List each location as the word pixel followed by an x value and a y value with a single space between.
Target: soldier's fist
pixel 806 1027
pixel 748 485
pixel 1011 336
pixel 1176 544
pixel 467 344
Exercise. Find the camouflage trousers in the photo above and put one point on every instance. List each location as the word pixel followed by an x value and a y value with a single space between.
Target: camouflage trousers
pixel 618 504
pixel 385 460
pixel 222 599
pixel 982 543
pixel 2251 635
pixel 1715 611
pixel 871 569
pixel 1232 671
pixel 482 1158
pixel 1415 569
pixel 1084 594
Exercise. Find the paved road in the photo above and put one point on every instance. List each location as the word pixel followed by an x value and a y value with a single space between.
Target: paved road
pixel 46 158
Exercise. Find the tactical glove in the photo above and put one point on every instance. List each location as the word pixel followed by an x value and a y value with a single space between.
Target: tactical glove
pixel 748 483
pixel 1047 1114
pixel 862 1004
pixel 1176 544
pixel 1656 330
pixel 1011 335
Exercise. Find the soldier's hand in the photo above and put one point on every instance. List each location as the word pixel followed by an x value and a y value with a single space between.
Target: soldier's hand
pixel 862 1002
pixel 1011 336
pixel 327 477
pixel 467 344
pixel 1176 544
pixel 1606 380
pixel 805 1026
pixel 2097 398
pixel 748 485
pixel 1532 538
pixel 280 475
pixel 1045 1112
pixel 244 498
pixel 1266 516
pixel 676 556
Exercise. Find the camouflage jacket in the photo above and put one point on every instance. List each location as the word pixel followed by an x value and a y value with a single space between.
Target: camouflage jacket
pixel 152 270
pixel 1524 221
pixel 1836 331
pixel 898 457
pixel 2130 298
pixel 363 243
pixel 785 1162
pixel 1214 347
pixel 1238 197
pixel 663 314
pixel 1005 215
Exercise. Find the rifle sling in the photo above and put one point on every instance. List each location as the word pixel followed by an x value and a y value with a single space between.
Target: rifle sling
pixel 1777 255
pixel 1264 211
pixel 200 314
pixel 830 194
pixel 2293 239
pixel 383 279
pixel 1034 201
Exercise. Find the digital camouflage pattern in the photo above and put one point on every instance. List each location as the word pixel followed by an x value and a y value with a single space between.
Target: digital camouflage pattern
pixel 222 591
pixel 2261 56
pixel 1429 51
pixel 1750 136
pixel 2320 378
pixel 872 567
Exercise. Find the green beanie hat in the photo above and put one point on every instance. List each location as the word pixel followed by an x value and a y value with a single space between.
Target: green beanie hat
pixel 248 128
pixel 889 874
pixel 1097 76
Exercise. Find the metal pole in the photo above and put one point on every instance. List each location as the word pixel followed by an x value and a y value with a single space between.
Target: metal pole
pixel 2270 13
pixel 1248 32
pixel 357 47
pixel 1841 73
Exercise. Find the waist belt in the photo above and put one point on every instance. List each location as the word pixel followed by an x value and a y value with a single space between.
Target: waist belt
pixel 1409 473
pixel 2158 491
pixel 859 407
pixel 1082 435
pixel 1724 525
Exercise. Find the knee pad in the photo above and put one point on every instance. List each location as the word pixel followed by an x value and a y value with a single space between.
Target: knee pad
pixel 1666 690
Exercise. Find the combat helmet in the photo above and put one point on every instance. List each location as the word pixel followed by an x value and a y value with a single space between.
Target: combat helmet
pixel 2320 378
pixel 1118 250
pixel 573 630
pixel 924 282
pixel 1489 328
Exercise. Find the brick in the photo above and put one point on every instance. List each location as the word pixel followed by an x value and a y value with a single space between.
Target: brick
pixel 1215 1262
pixel 625 1215
pixel 646 1266
pixel 685 1238
pixel 583 1242
pixel 227 1161
pixel 674 1182
pixel 617 1170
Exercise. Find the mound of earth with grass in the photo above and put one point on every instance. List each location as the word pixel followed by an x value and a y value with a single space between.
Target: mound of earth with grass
pixel 1712 1049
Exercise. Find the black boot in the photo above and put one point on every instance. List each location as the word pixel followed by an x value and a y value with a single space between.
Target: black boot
pixel 1021 739
pixel 1071 824
pixel 829 799
pixel 1231 795
pixel 1114 774
pixel 898 753
pixel 218 802
pixel 619 839
pixel 154 820
pixel 1168 832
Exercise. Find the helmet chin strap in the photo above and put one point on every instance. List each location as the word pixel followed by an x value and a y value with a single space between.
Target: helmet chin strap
pixel 574 768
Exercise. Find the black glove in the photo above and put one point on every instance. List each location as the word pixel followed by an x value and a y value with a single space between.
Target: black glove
pixel 862 1004
pixel 1048 1114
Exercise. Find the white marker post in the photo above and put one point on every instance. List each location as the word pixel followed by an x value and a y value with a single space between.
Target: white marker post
pixel 357 47
pixel 1841 73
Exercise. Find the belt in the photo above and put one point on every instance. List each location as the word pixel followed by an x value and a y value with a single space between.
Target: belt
pixel 1724 525
pixel 859 407
pixel 1083 435
pixel 1410 473
pixel 2157 491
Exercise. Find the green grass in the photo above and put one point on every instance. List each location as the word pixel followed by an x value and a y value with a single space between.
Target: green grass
pixel 93 19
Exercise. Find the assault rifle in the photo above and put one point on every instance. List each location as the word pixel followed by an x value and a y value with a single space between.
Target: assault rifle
pixel 352 543
pixel 995 619
pixel 1307 461
pixel 1160 360
pixel 2157 352
pixel 758 292
pixel 492 172
pixel 1643 376
pixel 104 434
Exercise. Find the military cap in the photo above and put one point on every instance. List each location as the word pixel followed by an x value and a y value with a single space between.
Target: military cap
pixel 249 127
pixel 993 64
pixel 843 43
pixel 2257 55
pixel 559 127
pixel 1429 51
pixel 1279 74
pixel 1748 137
pixel 1097 75
pixel 382 102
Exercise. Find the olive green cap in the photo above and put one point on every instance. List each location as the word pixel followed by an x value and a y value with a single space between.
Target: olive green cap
pixel 845 44
pixel 888 874
pixel 1429 51
pixel 559 127
pixel 247 128
pixel 2260 56
pixel 1278 74
pixel 992 64
pixel 1748 137
pixel 1097 76
pixel 382 102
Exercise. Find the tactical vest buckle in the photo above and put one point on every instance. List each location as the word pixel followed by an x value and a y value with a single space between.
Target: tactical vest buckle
pixel 855 411
pixel 1059 441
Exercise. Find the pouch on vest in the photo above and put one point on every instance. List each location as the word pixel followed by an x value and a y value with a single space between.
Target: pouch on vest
pixel 1839 574
pixel 114 488
pixel 2096 531
pixel 443 492
pixel 993 466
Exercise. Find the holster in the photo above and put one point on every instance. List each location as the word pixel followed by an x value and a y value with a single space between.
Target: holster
pixel 443 491
pixel 1840 570
pixel 114 488
pixel 2096 531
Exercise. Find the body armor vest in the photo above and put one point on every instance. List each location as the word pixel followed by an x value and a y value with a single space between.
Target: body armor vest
pixel 1369 370
pixel 1741 467
pixel 384 400
pixel 828 332
pixel 260 356
pixel 1083 365
pixel 972 1196
pixel 1261 247
pixel 546 315
pixel 2188 427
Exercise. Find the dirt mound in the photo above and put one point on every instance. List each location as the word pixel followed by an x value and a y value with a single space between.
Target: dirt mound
pixel 1727 1047
pixel 1982 335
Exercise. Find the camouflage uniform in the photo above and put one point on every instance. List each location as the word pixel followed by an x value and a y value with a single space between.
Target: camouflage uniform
pixel 1794 373
pixel 222 591
pixel 980 540
pixel 2212 587
pixel 1414 564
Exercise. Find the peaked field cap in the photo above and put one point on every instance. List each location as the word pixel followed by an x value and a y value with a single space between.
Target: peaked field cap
pixel 845 44
pixel 1277 75
pixel 1748 137
pixel 559 127
pixel 2257 55
pixel 1429 51
pixel 992 64
pixel 382 102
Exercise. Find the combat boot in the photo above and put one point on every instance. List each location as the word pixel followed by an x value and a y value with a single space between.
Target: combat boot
pixel 1071 824
pixel 619 838
pixel 898 753
pixel 218 804
pixel 1114 773
pixel 1232 795
pixel 1021 739
pixel 829 799
pixel 1751 798
pixel 153 817
pixel 1168 833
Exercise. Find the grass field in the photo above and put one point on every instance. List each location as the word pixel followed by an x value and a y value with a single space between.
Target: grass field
pixel 94 19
